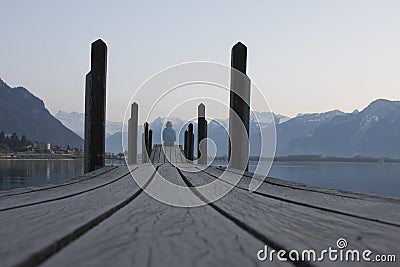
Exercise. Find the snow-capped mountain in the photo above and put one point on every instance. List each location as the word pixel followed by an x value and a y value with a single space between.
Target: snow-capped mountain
pixel 373 132
pixel 76 121
pixel 268 117
pixel 300 126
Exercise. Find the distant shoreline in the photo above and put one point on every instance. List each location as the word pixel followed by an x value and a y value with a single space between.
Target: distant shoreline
pixel 290 158
pixel 39 156
pixel 318 158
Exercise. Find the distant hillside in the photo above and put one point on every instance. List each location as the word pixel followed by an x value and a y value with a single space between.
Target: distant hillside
pixel 25 114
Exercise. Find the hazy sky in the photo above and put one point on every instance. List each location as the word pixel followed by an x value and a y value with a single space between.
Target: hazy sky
pixel 306 56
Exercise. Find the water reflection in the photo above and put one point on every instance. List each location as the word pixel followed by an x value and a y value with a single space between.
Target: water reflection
pixel 23 173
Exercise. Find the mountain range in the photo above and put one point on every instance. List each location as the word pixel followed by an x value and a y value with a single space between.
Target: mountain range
pixel 373 131
pixel 76 122
pixel 25 114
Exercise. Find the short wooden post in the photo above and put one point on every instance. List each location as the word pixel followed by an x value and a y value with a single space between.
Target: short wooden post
pixel 95 108
pixel 190 142
pixel 150 146
pixel 201 134
pixel 132 134
pixel 145 150
pixel 239 113
pixel 185 144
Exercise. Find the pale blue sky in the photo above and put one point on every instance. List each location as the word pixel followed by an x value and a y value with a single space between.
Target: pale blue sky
pixel 306 56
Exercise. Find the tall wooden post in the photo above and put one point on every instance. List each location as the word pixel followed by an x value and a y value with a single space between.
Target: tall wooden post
pixel 186 144
pixel 239 113
pixel 88 92
pixel 95 108
pixel 132 134
pixel 190 142
pixel 201 134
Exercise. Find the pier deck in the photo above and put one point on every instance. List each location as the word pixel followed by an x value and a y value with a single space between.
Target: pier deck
pixel 104 218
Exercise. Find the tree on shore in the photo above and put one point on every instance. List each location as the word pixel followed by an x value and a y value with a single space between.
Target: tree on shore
pixel 13 142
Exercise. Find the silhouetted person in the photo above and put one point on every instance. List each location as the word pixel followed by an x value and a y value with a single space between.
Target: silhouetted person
pixel 169 134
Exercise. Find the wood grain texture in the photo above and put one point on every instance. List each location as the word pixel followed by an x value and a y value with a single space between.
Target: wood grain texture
pixel 150 233
pixel 105 219
pixel 29 230
pixel 293 226
pixel 373 209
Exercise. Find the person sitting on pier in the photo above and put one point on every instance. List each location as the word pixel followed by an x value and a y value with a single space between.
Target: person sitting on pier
pixel 169 134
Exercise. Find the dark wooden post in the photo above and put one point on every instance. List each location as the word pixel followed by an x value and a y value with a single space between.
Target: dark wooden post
pixel 185 144
pixel 145 149
pixel 88 92
pixel 150 146
pixel 239 113
pixel 95 108
pixel 132 134
pixel 146 135
pixel 201 134
pixel 190 142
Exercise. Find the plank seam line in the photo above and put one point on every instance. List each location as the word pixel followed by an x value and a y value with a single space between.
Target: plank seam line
pixel 60 185
pixel 250 230
pixel 67 196
pixel 39 257
pixel 367 197
pixel 312 206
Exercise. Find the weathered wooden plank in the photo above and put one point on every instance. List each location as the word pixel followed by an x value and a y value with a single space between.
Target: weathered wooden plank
pixel 152 155
pixel 383 210
pixel 179 158
pixel 293 226
pixel 173 154
pixel 167 153
pixel 162 156
pixel 156 153
pixel 31 234
pixel 150 233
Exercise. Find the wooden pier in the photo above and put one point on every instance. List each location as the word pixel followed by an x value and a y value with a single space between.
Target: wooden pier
pixel 104 218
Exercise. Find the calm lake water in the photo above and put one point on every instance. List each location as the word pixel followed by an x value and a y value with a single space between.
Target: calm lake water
pixel 372 178
pixel 23 173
